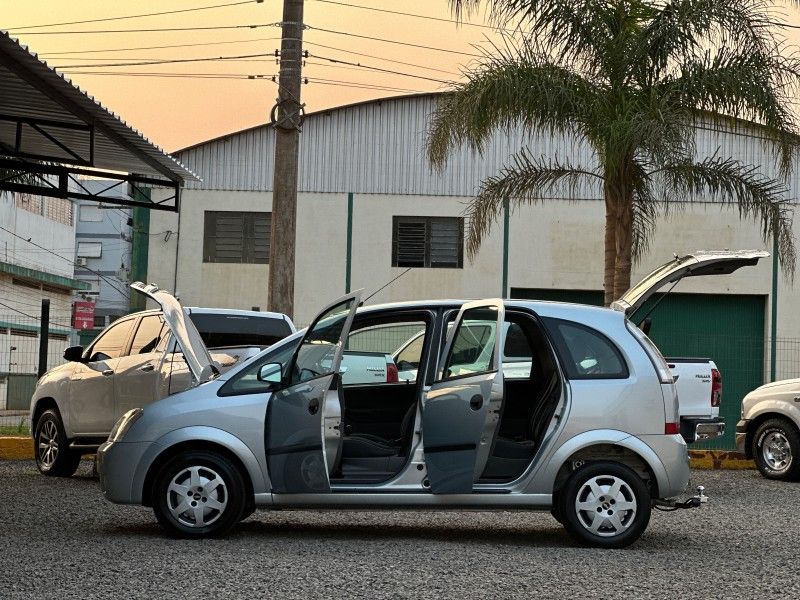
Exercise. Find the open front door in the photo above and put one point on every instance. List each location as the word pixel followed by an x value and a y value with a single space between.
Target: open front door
pixel 461 410
pixel 304 416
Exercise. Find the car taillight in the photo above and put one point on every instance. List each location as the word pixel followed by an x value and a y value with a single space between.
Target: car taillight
pixel 716 387
pixel 392 375
pixel 672 428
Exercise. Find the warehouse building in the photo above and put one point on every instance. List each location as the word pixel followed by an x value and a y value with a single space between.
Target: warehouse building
pixel 370 207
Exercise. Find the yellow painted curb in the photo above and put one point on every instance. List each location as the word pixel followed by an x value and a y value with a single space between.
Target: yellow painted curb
pixel 719 459
pixel 16 448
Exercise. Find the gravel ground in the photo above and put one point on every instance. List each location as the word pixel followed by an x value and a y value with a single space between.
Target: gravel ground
pixel 60 539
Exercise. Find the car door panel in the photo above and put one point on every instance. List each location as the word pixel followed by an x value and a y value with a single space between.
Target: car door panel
pixel 303 421
pixel 461 410
pixel 91 403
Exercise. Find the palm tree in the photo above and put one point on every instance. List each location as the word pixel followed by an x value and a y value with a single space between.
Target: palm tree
pixel 633 79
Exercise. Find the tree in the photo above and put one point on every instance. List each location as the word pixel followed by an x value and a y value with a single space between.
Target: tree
pixel 633 79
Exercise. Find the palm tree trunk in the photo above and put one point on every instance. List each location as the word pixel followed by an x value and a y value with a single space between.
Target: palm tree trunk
pixel 610 256
pixel 624 241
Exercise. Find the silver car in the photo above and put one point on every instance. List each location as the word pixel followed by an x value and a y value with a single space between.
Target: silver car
pixel 589 431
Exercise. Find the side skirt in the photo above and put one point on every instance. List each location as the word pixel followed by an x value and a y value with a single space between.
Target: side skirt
pixel 400 501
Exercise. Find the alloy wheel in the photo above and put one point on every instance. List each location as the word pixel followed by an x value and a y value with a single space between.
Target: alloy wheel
pixel 776 451
pixel 197 496
pixel 606 505
pixel 48 444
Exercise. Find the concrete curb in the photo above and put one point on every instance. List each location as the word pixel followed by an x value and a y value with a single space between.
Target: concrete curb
pixel 719 459
pixel 16 448
pixel 21 448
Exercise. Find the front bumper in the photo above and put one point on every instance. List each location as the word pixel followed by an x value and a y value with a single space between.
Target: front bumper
pixel 741 437
pixel 116 465
pixel 695 429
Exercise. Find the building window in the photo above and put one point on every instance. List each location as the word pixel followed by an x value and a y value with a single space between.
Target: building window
pixel 90 249
pixel 99 322
pixel 237 237
pixel 436 242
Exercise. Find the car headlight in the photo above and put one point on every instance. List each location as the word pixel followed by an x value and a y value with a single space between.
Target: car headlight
pixel 122 426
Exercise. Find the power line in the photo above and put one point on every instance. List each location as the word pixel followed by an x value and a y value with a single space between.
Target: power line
pixel 164 62
pixel 378 69
pixel 377 39
pixel 24 314
pixel 417 16
pixel 156 14
pixel 96 51
pixel 356 84
pixel 399 62
pixel 151 30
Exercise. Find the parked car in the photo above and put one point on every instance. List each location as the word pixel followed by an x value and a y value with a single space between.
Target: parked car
pixel 133 362
pixel 769 431
pixel 591 433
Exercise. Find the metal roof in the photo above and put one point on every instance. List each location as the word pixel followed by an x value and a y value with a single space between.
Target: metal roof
pixel 60 120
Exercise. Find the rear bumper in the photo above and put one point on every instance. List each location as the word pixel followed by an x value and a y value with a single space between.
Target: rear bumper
pixel 741 437
pixel 696 429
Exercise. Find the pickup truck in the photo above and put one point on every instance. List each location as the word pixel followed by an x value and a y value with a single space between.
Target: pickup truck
pixel 135 361
pixel 698 381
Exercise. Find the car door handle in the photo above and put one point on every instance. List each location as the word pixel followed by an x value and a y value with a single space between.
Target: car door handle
pixel 476 402
pixel 108 373
pixel 147 367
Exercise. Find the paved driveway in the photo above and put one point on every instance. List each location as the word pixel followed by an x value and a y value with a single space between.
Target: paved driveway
pixel 60 539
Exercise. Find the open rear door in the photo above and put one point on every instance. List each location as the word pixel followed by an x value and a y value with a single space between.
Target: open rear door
pixel 461 410
pixel 300 415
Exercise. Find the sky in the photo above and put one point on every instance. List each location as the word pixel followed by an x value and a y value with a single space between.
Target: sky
pixel 175 112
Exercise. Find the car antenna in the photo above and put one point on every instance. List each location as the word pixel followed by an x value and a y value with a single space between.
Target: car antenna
pixel 391 281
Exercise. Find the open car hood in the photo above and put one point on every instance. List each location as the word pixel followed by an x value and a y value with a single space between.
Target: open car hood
pixel 194 350
pixel 715 262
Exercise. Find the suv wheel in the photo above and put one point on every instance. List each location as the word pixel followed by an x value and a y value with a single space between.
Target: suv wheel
pixel 199 494
pixel 776 450
pixel 53 456
pixel 605 504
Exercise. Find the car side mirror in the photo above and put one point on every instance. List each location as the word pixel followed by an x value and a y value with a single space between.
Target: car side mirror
pixel 271 373
pixel 74 354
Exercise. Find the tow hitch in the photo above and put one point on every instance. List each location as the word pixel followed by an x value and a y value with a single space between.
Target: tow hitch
pixel 693 502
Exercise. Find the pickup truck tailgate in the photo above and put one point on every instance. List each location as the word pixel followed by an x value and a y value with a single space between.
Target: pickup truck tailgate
pixel 699 387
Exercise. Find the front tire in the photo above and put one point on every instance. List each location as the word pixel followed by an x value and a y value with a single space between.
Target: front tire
pixel 53 456
pixel 776 450
pixel 199 494
pixel 605 504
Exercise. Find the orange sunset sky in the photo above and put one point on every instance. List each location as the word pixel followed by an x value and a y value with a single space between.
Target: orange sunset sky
pixel 175 112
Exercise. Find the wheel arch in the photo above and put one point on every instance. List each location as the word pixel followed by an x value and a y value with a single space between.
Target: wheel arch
pixel 615 447
pixel 40 406
pixel 758 420
pixel 218 441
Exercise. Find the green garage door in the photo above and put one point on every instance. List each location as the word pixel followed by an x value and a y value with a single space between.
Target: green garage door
pixel 728 328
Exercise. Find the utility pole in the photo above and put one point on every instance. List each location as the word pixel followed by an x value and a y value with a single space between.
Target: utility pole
pixel 287 118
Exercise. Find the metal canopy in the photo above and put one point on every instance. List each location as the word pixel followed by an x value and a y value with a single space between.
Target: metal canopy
pixel 52 132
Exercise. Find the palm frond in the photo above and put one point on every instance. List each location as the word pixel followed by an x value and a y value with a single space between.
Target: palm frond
pixel 505 93
pixel 730 182
pixel 527 180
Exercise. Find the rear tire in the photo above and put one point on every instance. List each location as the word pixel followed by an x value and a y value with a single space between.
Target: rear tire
pixel 199 494
pixel 776 450
pixel 53 456
pixel 605 505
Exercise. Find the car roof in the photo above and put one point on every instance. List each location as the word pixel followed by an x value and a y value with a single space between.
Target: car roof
pixel 219 311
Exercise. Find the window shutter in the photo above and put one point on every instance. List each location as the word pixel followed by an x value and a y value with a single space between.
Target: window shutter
pixel 410 242
pixel 262 230
pixel 228 237
pixel 445 242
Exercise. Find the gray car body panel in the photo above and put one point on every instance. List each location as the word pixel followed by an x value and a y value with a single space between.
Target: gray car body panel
pixel 627 413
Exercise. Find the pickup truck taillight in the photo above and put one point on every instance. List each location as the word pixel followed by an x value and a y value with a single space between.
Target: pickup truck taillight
pixel 716 387
pixel 392 374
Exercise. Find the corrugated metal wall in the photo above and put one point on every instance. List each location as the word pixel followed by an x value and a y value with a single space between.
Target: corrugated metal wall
pixel 378 147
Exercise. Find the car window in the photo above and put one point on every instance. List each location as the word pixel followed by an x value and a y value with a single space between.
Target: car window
pixel 148 335
pixel 473 345
pixel 220 329
pixel 371 350
pixel 246 381
pixel 318 349
pixel 517 353
pixel 410 356
pixel 111 343
pixel 587 353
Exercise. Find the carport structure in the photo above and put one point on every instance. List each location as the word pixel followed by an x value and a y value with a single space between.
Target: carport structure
pixel 52 134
